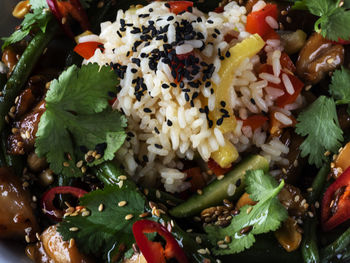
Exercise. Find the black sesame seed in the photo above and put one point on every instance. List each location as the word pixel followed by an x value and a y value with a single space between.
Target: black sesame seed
pixel 119 34
pixel 210 123
pixel 169 123
pixel 222 57
pixel 147 110
pixel 145 158
pixel 135 30
pixel 150 10
pixel 190 9
pixel 201 110
pixel 156 130
pixel 165 86
pixel 224 111
pixel 134 70
pixel 158 146
pixel 199 19
pixel 207 84
pixel 228 54
pixel 238 183
pixel 252 101
pixel 210 21
pixel 182 85
pixel 223 103
pixel 187 98
pixel 127 53
pixel 173 84
pixel 211 91
pixel 170 18
pixel 219 121
pixel 136 61
pixel 214 35
pixel 112 94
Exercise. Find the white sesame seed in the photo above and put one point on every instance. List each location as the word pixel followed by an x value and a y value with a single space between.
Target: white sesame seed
pixel 27 239
pixel 223 246
pixel 158 195
pixel 198 240
pixel 85 213
pixel 202 251
pixel 73 229
pixel 129 216
pixel 249 209
pixel 122 177
pixel 100 208
pixel 122 203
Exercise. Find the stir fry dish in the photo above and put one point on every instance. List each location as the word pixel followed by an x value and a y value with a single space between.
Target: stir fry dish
pixel 177 131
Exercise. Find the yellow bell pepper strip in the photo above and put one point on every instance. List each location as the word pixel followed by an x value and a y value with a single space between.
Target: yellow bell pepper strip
pixel 238 53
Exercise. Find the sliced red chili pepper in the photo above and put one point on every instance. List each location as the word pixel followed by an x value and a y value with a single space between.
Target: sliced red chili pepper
pixel 286 98
pixel 256 22
pixel 177 7
pixel 336 202
pixel 154 251
pixel 255 121
pixel 47 200
pixel 217 169
pixel 195 177
pixel 87 49
pixel 111 102
pixel 61 10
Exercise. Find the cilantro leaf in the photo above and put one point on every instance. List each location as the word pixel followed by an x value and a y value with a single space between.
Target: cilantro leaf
pixel 263 217
pixel 319 122
pixel 38 19
pixel 339 86
pixel 77 114
pixel 102 231
pixel 334 20
pixel 38 4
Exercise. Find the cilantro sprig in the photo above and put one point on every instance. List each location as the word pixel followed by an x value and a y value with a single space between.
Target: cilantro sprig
pixel 319 122
pixel 263 217
pixel 105 230
pixel 77 114
pixel 334 17
pixel 37 19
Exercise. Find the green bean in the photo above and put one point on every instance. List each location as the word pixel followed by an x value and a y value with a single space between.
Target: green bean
pixel 309 246
pixel 341 244
pixel 163 197
pixel 23 69
pixel 108 173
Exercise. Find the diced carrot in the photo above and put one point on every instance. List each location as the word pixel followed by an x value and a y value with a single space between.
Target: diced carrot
pixel 255 121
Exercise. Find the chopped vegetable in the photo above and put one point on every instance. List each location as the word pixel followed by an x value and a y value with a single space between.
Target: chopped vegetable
pixel 255 121
pixel 87 49
pixel 246 49
pixel 319 122
pixel 263 217
pixel 231 186
pixel 256 21
pixel 336 202
pixel 298 85
pixel 289 235
pixel 177 7
pixel 78 115
pixel 343 159
pixel 217 169
pixel 293 41
pixel 245 200
pixel 154 251
pixel 48 200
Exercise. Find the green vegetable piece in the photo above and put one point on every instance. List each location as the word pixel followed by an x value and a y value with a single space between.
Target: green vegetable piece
pixel 293 41
pixel 215 192
pixel 77 114
pixel 109 224
pixel 38 20
pixel 23 69
pixel 267 215
pixel 319 122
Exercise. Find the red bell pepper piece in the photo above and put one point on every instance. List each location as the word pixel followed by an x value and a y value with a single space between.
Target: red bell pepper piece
pixel 87 49
pixel 219 9
pixel 217 169
pixel 195 177
pixel 154 251
pixel 177 7
pixel 255 121
pixel 287 63
pixel 286 98
pixel 341 42
pixel 47 200
pixel 336 202
pixel 256 21
pixel 61 10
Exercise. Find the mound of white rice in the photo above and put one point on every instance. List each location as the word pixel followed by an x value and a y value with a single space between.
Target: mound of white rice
pixel 167 120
